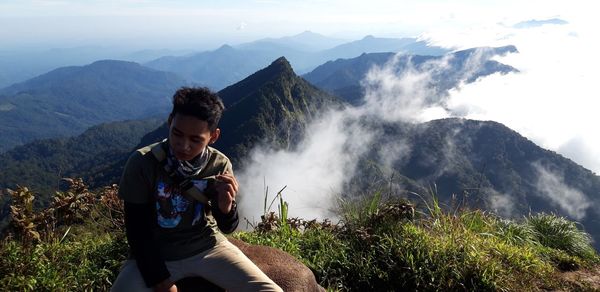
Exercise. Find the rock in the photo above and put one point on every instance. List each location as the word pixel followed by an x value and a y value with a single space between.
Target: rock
pixel 285 270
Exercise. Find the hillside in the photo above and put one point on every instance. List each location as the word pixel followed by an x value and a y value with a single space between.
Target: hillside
pixel 68 100
pixel 343 77
pixel 271 106
pixel 485 165
pixel 41 164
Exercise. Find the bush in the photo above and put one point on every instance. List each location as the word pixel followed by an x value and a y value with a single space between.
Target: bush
pixel 88 263
pixel 561 234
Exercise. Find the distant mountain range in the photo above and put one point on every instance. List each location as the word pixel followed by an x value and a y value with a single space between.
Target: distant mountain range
pixel 228 65
pixel 483 163
pixel 343 77
pixel 18 65
pixel 306 41
pixel 68 100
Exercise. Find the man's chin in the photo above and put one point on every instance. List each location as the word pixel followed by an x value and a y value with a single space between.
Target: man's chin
pixel 180 156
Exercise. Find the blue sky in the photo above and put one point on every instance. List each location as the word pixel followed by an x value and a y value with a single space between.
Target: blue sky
pixel 185 24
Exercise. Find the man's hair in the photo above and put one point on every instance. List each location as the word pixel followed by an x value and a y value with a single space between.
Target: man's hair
pixel 198 102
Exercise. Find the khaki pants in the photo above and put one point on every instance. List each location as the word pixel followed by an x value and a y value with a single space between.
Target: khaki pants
pixel 224 265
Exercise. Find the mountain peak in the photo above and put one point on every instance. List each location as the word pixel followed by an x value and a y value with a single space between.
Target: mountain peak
pixel 281 65
pixel 307 33
pixel 225 47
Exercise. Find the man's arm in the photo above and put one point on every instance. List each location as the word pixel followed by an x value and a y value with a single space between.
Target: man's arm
pixel 143 246
pixel 224 205
pixel 135 188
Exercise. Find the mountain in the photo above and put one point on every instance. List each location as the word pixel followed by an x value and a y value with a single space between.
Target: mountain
pixel 306 41
pixel 371 44
pixel 271 106
pixel 18 65
pixel 227 65
pixel 343 77
pixel 215 69
pixel 485 165
pixel 68 100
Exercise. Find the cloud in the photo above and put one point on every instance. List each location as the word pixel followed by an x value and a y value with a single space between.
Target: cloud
pixel 327 160
pixel 552 101
pixel 502 204
pixel 313 174
pixel 402 97
pixel 551 186
pixel 242 26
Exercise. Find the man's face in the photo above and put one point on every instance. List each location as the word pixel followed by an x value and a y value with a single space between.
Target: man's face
pixel 188 136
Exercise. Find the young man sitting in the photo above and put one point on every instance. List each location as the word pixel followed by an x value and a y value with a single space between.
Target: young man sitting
pixel 179 198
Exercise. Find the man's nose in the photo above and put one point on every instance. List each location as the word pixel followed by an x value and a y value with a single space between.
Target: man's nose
pixel 187 145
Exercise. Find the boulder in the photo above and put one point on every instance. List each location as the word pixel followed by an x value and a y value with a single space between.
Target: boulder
pixel 285 270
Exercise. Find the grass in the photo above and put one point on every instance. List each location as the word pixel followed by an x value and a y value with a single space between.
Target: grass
pixel 378 245
pixel 388 245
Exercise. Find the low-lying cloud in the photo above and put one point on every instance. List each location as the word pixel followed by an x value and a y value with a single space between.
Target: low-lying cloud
pixel 550 101
pixel 552 186
pixel 316 172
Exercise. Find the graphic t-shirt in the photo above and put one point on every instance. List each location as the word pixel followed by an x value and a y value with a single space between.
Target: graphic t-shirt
pixel 183 226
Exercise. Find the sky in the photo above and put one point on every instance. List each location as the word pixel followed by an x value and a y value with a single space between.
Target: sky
pixel 186 24
pixel 553 101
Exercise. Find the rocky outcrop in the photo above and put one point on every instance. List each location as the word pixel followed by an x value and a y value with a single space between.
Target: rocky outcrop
pixel 285 270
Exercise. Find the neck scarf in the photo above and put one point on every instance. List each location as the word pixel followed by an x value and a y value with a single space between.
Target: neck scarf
pixel 185 169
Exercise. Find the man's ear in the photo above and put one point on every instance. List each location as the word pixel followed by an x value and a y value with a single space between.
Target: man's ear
pixel 214 136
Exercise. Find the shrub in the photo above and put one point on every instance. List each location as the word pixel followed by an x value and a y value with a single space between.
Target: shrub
pixel 561 234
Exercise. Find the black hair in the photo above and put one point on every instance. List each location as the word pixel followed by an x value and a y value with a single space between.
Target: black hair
pixel 199 102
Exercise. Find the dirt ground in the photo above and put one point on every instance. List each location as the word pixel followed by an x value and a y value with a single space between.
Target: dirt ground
pixel 581 280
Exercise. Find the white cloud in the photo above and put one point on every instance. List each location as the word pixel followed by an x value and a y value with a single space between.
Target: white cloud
pixel 502 204
pixel 313 173
pixel 242 26
pixel 552 186
pixel 553 101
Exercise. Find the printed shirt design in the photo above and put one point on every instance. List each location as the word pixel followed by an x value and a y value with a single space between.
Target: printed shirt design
pixel 172 207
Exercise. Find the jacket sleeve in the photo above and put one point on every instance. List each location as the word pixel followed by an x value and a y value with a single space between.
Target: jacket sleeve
pixel 135 188
pixel 138 218
pixel 227 223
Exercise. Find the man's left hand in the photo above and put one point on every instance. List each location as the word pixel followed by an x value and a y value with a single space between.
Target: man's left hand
pixel 226 187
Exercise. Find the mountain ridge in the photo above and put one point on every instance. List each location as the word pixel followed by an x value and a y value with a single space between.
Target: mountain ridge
pixel 68 100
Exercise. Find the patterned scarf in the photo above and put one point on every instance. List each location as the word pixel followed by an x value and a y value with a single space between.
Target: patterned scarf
pixel 185 169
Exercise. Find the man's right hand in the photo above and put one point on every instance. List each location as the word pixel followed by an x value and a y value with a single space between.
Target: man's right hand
pixel 165 286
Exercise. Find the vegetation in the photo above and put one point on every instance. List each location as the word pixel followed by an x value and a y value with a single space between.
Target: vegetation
pixel 379 244
pixel 91 155
pixel 68 100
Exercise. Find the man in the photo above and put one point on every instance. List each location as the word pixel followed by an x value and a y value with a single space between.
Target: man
pixel 179 197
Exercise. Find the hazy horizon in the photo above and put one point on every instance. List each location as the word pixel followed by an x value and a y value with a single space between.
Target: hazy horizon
pixel 205 25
